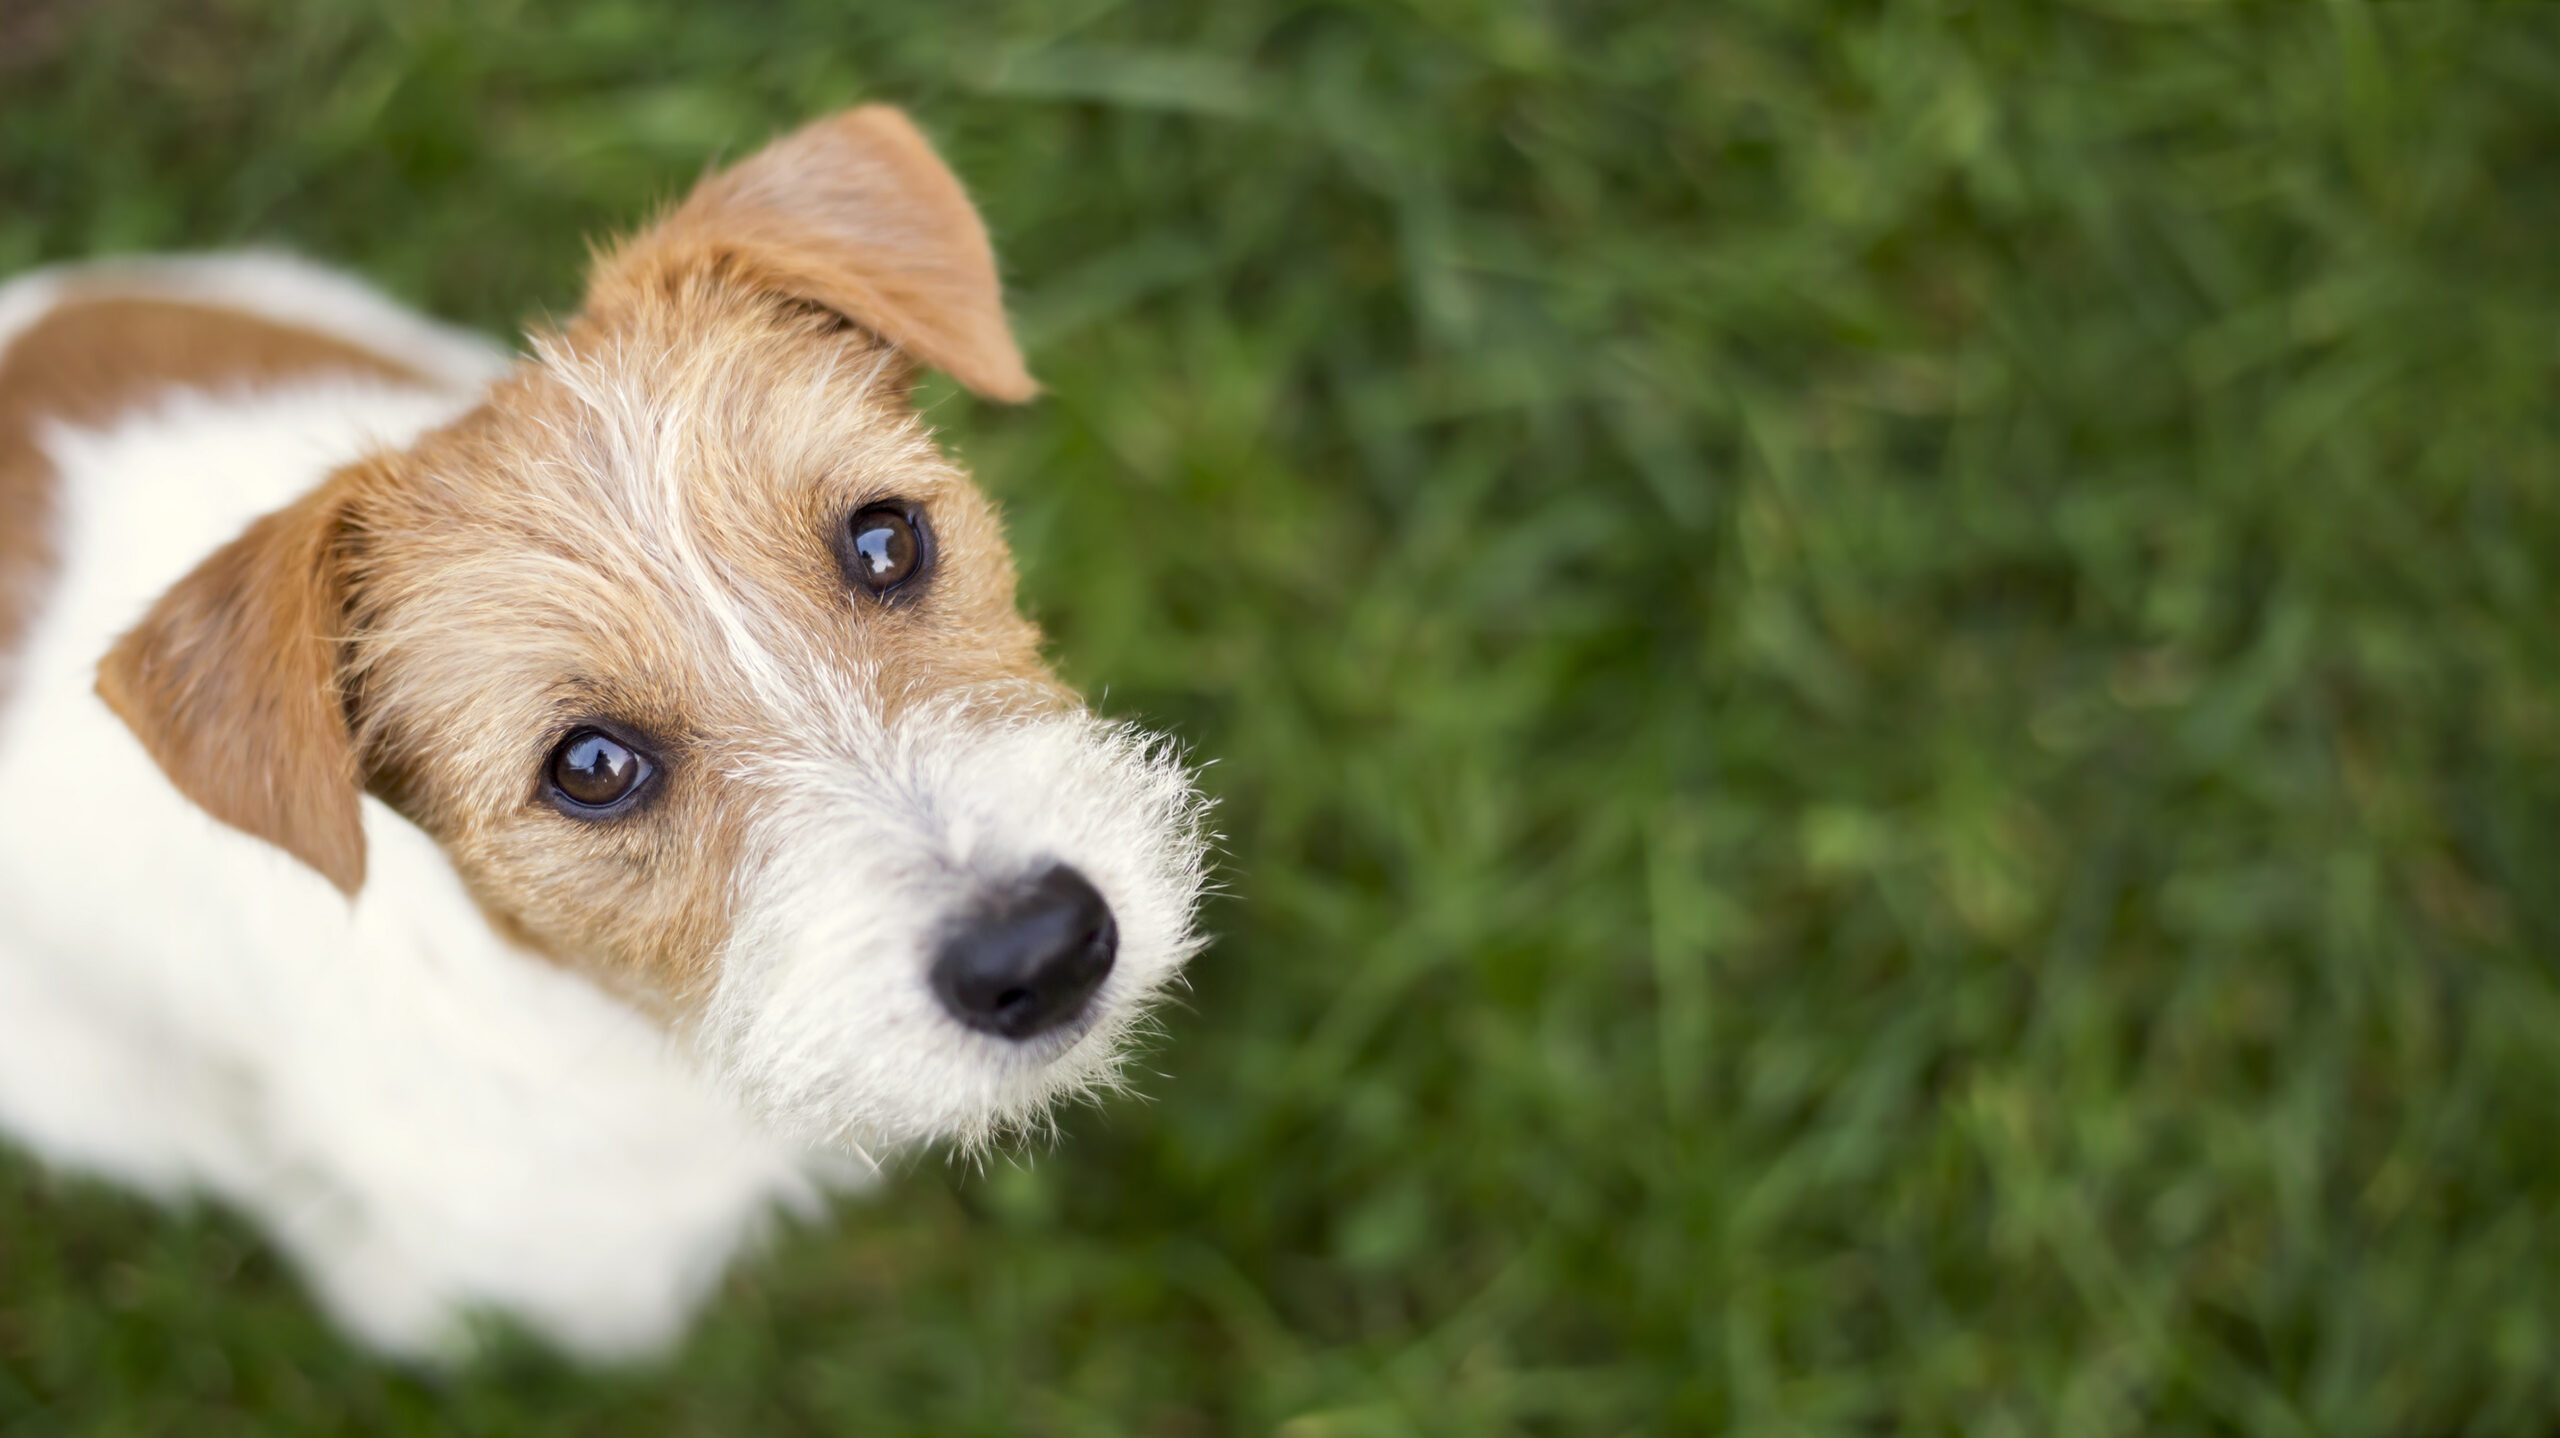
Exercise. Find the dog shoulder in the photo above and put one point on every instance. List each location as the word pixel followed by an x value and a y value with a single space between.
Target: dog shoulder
pixel 87 346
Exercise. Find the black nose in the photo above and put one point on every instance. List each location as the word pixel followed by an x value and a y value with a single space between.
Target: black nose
pixel 1028 962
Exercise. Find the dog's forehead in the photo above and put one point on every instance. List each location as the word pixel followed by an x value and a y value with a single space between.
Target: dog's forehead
pixel 718 423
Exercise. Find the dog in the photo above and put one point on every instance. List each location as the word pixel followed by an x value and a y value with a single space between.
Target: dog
pixel 513 824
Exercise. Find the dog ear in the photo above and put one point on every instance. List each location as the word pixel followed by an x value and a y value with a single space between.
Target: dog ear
pixel 231 682
pixel 856 214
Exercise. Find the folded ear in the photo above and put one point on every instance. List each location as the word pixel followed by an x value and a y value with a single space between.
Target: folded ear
pixel 231 683
pixel 856 214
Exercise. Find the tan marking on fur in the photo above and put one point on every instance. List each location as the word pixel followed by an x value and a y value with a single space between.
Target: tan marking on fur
pixel 855 213
pixel 89 359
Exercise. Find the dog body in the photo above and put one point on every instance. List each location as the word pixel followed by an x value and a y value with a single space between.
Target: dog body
pixel 426 1115
pixel 510 825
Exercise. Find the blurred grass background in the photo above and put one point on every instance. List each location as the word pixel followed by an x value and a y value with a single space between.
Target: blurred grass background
pixel 1883 681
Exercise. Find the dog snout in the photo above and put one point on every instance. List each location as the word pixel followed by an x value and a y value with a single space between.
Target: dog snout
pixel 1031 961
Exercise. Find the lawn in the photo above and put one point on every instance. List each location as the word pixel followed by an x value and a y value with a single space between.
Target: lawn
pixel 1883 682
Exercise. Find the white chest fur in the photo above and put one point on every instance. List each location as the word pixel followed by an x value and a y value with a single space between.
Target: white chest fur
pixel 427 1119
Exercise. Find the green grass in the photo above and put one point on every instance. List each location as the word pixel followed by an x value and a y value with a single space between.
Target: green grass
pixel 1885 682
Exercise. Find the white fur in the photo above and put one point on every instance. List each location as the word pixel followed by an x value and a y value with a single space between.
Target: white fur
pixel 871 844
pixel 428 1119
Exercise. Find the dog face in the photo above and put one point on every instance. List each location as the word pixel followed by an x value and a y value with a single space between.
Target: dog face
pixel 704 666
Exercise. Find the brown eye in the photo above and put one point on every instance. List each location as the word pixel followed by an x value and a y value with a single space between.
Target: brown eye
pixel 884 547
pixel 593 770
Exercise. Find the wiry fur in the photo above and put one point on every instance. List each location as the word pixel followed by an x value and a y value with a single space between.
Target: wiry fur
pixel 554 1065
pixel 870 842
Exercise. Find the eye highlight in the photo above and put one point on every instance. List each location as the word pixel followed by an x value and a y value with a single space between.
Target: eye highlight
pixel 886 547
pixel 592 774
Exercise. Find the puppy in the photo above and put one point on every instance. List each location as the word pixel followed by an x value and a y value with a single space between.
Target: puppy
pixel 509 824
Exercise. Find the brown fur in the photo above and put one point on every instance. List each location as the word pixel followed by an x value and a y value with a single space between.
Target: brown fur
pixel 88 360
pixel 628 531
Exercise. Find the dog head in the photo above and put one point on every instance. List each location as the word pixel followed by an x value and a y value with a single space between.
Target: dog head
pixel 704 666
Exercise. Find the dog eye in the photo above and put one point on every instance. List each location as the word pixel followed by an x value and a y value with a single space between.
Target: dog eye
pixel 593 770
pixel 885 546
